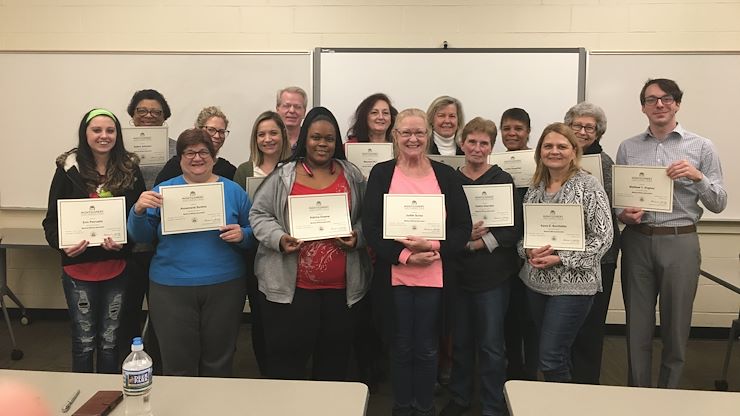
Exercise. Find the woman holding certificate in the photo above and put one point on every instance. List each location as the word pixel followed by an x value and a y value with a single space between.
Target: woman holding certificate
pixel 373 120
pixel 311 285
pixel 568 228
pixel 588 122
pixel 198 285
pixel 416 219
pixel 487 268
pixel 94 274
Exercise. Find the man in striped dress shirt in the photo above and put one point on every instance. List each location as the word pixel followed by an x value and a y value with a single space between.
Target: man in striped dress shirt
pixel 660 251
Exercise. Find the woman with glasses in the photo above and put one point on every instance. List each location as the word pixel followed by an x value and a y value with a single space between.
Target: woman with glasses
pixel 310 289
pixel 214 122
pixel 561 284
pixel 94 278
pixel 373 120
pixel 198 283
pixel 588 122
pixel 147 108
pixel 410 273
pixel 445 119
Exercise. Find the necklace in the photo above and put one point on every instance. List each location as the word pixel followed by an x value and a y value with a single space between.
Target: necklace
pixel 308 170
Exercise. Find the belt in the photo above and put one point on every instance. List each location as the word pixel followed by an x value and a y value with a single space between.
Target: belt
pixel 648 230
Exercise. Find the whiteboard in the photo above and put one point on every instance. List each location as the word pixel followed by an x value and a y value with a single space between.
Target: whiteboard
pixel 545 82
pixel 45 95
pixel 710 84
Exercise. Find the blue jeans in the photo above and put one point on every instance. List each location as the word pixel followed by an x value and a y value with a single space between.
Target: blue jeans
pixel 414 347
pixel 479 327
pixel 95 312
pixel 558 319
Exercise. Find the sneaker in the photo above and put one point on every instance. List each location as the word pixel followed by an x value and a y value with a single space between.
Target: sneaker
pixel 453 409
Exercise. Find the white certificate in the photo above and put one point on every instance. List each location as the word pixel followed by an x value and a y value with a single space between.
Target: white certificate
pixel 492 204
pixel 253 183
pixel 320 216
pixel 452 161
pixel 559 225
pixel 646 187
pixel 151 144
pixel 592 165
pixel 192 208
pixel 519 164
pixel 91 219
pixel 367 155
pixel 420 215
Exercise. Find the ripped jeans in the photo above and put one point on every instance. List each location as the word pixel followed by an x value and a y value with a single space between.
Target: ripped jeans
pixel 95 312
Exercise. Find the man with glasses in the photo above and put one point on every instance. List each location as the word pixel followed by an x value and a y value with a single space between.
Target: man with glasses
pixel 291 105
pixel 660 251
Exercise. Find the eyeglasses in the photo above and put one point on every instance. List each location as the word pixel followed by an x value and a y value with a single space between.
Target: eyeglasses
pixel 408 133
pixel 213 131
pixel 296 107
pixel 141 111
pixel 191 155
pixel 590 128
pixel 666 100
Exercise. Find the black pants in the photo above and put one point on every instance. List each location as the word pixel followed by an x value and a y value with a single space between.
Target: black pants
pixel 255 314
pixel 587 348
pixel 317 325
pixel 522 342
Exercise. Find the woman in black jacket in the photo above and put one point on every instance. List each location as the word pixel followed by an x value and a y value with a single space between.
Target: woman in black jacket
pixel 411 273
pixel 482 296
pixel 94 275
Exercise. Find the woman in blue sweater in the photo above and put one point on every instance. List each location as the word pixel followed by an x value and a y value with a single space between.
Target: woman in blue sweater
pixel 198 283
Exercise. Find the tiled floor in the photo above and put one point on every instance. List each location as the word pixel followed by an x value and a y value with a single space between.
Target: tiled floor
pixel 46 346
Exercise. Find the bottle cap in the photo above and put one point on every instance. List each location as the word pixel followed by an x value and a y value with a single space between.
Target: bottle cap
pixel 137 344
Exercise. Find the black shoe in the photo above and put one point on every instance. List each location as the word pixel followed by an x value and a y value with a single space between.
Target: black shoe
pixel 453 409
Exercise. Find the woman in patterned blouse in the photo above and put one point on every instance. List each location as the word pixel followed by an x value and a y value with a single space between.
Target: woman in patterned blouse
pixel 561 284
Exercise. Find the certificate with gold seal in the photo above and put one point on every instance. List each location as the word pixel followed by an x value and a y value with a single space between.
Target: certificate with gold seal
pixel 420 215
pixel 519 164
pixel 560 226
pixel 151 144
pixel 592 165
pixel 192 208
pixel 319 216
pixel 367 155
pixel 646 187
pixel 492 204
pixel 91 219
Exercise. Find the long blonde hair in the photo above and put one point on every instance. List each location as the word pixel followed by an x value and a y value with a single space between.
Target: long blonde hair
pixel 542 174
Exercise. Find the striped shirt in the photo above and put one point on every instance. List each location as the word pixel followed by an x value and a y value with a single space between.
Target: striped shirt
pixel 645 150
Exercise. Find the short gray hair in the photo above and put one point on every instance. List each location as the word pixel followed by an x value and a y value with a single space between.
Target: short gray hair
pixel 586 109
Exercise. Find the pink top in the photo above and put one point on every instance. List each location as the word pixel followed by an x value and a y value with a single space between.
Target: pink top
pixel 410 274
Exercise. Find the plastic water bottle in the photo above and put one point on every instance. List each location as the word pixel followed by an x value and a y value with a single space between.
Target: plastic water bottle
pixel 137 380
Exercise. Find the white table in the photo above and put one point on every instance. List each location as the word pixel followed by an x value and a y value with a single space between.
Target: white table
pixel 537 398
pixel 183 396
pixel 16 238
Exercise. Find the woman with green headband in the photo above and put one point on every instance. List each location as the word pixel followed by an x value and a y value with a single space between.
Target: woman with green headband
pixel 94 278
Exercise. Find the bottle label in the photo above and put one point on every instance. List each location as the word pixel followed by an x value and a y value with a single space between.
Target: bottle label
pixel 137 382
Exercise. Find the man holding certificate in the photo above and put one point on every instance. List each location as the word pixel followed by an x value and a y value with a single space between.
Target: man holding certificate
pixel 198 284
pixel 660 250
pixel 312 265
pixel 91 242
pixel 415 259
pixel 487 267
pixel 567 229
